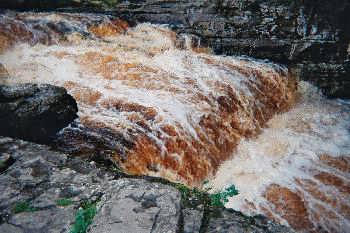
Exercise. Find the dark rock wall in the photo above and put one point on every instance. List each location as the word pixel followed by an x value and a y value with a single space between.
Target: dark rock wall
pixel 311 36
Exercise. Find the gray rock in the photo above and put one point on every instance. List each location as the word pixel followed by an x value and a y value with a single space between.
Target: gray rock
pixel 229 221
pixel 7 228
pixel 39 178
pixel 53 220
pixel 138 206
pixel 192 220
pixel 35 112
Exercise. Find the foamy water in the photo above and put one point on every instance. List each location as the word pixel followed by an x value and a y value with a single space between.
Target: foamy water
pixel 177 113
pixel 289 151
pixel 183 111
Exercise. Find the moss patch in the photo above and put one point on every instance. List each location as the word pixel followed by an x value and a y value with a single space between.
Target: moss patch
pixel 23 206
pixel 194 197
pixel 64 202
pixel 84 217
pixel 221 198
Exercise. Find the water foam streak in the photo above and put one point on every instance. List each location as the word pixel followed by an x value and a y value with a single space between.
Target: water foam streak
pixel 165 109
pixel 297 170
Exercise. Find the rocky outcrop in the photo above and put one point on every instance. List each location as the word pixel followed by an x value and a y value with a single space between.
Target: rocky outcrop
pixel 305 34
pixel 44 191
pixel 131 205
pixel 35 112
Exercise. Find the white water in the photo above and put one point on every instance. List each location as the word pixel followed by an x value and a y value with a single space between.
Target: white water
pixel 144 71
pixel 144 66
pixel 289 149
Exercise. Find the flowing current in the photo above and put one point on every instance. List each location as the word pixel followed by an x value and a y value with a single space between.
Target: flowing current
pixel 154 104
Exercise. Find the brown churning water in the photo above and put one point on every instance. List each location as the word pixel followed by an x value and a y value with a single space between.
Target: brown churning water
pixel 175 111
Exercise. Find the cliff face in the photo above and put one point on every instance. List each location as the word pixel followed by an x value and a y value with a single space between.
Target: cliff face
pixel 312 37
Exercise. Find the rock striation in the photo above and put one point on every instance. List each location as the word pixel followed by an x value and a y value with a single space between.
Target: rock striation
pixel 35 112
pixel 311 36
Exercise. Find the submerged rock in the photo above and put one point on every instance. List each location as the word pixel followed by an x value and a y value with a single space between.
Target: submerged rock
pixel 35 112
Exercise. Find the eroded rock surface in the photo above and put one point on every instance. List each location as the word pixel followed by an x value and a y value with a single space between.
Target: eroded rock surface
pixel 35 112
pixel 32 186
pixel 42 178
pixel 137 206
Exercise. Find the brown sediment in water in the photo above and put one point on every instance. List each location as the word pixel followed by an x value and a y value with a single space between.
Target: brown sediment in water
pixel 111 28
pixel 317 202
pixel 153 106
pixel 121 79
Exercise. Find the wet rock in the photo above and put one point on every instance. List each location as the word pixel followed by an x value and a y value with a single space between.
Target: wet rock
pixel 98 144
pixel 138 206
pixel 228 221
pixel 35 112
pixel 289 32
pixel 332 78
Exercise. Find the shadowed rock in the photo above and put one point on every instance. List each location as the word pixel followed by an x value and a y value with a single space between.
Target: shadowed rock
pixel 35 112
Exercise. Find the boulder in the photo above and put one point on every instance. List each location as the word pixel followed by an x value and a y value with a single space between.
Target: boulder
pixel 35 112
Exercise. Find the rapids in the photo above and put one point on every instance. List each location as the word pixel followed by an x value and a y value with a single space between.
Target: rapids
pixel 155 104
pixel 297 171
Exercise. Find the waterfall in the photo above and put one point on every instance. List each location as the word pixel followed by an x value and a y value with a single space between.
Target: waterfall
pixel 154 105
